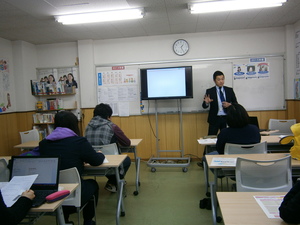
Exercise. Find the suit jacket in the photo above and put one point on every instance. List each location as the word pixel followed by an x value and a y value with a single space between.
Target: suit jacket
pixel 213 111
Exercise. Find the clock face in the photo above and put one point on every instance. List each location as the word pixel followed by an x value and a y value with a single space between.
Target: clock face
pixel 181 47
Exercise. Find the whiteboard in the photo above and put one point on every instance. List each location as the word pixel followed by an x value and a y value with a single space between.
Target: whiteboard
pixel 253 94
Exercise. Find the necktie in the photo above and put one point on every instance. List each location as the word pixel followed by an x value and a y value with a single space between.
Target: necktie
pixel 221 95
pixel 222 98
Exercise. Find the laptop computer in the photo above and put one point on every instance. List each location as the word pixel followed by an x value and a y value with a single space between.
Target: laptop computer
pixel 47 169
pixel 253 120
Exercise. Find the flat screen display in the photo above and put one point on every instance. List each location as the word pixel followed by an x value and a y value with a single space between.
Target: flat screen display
pixel 166 83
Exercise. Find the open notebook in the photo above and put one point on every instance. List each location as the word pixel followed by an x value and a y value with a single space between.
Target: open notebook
pixel 47 169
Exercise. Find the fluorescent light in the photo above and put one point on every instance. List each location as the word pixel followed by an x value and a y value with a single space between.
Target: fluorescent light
pixel 94 17
pixel 230 5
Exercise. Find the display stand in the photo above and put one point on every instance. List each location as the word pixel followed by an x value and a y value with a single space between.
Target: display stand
pixel 169 161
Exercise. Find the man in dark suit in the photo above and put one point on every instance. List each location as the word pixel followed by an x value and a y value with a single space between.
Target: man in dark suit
pixel 218 98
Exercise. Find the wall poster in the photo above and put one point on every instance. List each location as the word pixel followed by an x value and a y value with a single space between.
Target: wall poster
pixel 5 101
pixel 117 86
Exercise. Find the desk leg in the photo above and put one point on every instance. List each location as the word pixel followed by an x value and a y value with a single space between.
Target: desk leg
pixel 137 169
pixel 205 168
pixel 120 203
pixel 60 216
pixel 214 204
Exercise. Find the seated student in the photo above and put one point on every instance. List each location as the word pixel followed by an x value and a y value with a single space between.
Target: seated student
pixel 15 214
pixel 290 206
pixel 101 131
pixel 239 131
pixel 74 151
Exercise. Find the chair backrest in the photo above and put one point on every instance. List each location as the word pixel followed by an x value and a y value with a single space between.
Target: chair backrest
pixel 110 149
pixel 4 171
pixel 71 175
pixel 284 126
pixel 263 175
pixel 30 135
pixel 245 149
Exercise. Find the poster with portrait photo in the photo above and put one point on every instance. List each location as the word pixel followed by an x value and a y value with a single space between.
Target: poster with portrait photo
pixel 239 71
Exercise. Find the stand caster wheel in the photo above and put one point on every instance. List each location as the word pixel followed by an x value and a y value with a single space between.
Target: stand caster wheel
pixel 207 194
pixel 122 214
pixel 153 169
pixel 184 169
pixel 135 193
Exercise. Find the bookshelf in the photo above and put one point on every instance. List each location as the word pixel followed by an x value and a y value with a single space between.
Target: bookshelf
pixel 51 98
pixel 54 91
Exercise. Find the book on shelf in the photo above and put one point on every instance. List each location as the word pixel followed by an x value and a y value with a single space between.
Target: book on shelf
pixel 43 118
pixel 50 104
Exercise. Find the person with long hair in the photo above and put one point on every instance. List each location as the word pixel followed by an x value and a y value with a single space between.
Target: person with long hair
pixel 71 81
pixel 65 141
pixel 239 131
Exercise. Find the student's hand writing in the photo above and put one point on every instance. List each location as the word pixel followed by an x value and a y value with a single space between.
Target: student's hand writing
pixel 207 99
pixel 29 194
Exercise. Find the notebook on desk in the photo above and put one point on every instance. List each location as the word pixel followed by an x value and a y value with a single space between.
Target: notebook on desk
pixel 47 169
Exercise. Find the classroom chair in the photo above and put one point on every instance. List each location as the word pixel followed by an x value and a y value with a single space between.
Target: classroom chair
pixel 263 175
pixel 245 149
pixel 29 135
pixel 71 175
pixel 110 149
pixel 4 171
pixel 258 148
pixel 282 125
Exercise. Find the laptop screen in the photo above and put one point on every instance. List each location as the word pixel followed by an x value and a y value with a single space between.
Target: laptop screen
pixel 47 169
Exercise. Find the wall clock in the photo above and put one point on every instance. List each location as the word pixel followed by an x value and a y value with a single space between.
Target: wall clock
pixel 181 47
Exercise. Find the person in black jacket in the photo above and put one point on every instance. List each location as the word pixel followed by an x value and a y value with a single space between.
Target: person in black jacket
pixel 218 98
pixel 289 209
pixel 74 151
pixel 14 215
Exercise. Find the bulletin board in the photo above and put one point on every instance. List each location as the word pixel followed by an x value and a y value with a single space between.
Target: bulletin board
pixel 259 85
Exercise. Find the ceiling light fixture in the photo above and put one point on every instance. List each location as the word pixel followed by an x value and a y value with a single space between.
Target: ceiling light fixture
pixel 229 5
pixel 103 16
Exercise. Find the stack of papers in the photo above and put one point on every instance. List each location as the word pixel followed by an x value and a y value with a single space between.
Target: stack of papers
pixel 231 162
pixel 13 190
pixel 207 141
pixel 270 204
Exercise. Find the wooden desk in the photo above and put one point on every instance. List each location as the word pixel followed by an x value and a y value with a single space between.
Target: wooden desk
pixel 55 206
pixel 51 207
pixel 270 156
pixel 132 149
pixel 28 145
pixel 114 161
pixel 272 142
pixel 241 208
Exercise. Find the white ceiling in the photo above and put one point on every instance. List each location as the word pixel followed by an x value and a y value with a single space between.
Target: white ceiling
pixel 32 20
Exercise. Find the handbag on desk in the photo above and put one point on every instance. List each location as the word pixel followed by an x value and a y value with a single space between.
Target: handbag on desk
pixel 295 149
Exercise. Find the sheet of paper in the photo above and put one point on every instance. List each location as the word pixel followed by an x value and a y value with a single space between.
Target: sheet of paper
pixel 2 184
pixel 17 185
pixel 207 141
pixel 223 161
pixel 105 160
pixel 270 204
